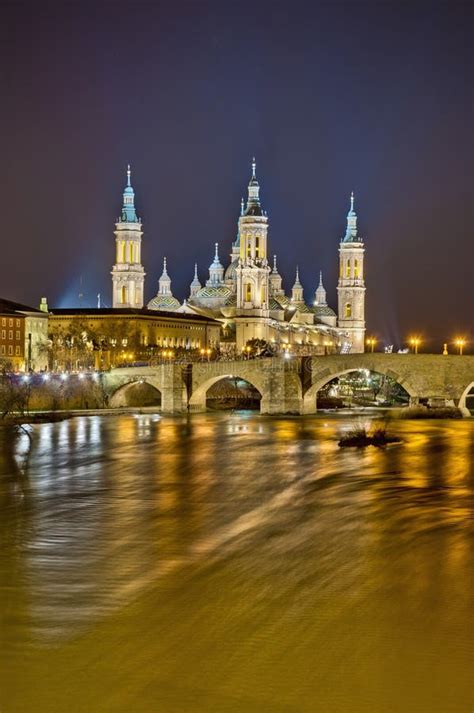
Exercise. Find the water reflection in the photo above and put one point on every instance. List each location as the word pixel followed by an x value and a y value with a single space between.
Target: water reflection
pixel 220 562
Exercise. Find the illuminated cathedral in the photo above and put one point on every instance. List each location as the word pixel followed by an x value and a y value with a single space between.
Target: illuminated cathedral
pixel 247 296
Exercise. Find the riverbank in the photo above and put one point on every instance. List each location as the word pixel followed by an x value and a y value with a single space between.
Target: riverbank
pixel 391 414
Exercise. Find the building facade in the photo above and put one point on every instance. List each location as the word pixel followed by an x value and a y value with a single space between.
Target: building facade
pixel 103 338
pixel 23 337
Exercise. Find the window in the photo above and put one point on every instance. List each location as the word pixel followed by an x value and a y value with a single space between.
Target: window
pixel 17 351
pixel 17 322
pixel 124 295
pixel 356 269
pixel 10 351
pixel 2 351
pixel 124 254
pixel 248 292
pixel 348 310
pixel 4 334
pixel 131 252
pixel 10 334
pixel 17 334
pixel 257 246
pixel 348 269
pixel 10 322
pixel 4 322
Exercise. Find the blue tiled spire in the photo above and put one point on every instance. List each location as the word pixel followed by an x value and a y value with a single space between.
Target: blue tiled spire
pixel 351 235
pixel 129 214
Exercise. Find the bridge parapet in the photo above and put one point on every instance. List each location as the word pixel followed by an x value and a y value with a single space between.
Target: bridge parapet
pixel 291 385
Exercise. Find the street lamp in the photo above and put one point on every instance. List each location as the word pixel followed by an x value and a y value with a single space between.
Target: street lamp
pixel 371 342
pixel 415 343
pixel 460 343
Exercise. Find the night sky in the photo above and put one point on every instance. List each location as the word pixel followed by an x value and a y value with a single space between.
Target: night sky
pixel 329 97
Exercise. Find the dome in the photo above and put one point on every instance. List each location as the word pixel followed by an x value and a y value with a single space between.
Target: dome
pixel 165 303
pixel 273 305
pixel 221 291
pixel 231 301
pixel 230 273
pixel 323 311
pixel 282 300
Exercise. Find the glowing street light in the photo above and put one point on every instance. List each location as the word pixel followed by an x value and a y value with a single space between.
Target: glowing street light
pixel 460 343
pixel 415 343
pixel 371 342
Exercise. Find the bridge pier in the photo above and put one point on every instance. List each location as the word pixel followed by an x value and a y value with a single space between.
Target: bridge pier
pixel 172 389
pixel 283 394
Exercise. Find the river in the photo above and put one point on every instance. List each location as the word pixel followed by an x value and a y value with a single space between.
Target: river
pixel 235 563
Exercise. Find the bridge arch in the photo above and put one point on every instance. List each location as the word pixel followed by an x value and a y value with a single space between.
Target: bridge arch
pixel 197 402
pixel 468 391
pixel 136 393
pixel 309 398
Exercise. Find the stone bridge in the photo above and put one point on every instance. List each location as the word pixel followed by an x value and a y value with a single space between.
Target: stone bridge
pixel 291 385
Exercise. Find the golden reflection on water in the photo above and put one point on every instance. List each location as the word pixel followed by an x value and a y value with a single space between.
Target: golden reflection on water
pixel 235 563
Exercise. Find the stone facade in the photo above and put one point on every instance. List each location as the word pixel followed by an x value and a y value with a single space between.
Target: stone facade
pixel 351 285
pixel 128 275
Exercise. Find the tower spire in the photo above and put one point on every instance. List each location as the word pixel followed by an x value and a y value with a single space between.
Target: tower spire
pixel 253 201
pixel 351 235
pixel 216 270
pixel 297 290
pixel 195 284
pixel 320 295
pixel 129 214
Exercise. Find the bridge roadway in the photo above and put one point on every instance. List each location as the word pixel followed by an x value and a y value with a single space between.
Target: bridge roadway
pixel 291 385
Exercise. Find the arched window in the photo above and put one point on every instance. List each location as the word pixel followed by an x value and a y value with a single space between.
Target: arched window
pixel 248 292
pixel 348 310
pixel 348 269
pixel 131 252
pixel 341 269
pixel 257 246
pixel 124 253
pixel 124 295
pixel 356 269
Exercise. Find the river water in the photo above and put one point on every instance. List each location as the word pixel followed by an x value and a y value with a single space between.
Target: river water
pixel 235 563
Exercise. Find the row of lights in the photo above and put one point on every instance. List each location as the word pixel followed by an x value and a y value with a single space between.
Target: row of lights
pixel 64 376
pixel 415 342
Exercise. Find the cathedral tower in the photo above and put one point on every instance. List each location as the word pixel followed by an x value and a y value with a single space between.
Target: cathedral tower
pixel 297 289
pixel 275 280
pixel 128 275
pixel 252 271
pixel 351 286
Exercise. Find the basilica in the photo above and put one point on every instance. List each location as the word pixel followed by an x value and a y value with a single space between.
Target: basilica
pixel 247 296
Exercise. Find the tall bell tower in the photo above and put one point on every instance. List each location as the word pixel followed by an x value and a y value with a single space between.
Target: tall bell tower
pixel 351 285
pixel 128 275
pixel 252 271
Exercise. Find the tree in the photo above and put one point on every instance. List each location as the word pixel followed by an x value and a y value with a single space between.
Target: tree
pixel 14 395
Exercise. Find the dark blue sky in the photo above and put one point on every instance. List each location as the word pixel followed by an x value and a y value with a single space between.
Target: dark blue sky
pixel 330 97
